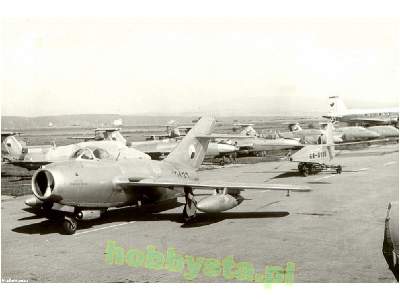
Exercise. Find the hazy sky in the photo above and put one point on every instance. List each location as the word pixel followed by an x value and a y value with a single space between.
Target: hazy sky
pixel 221 65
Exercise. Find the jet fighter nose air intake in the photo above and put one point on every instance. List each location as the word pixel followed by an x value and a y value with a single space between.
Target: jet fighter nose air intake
pixel 43 184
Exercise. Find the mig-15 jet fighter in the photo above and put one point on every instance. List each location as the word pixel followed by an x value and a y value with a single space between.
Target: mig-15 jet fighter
pixel 33 160
pixel 158 146
pixel 250 142
pixel 313 159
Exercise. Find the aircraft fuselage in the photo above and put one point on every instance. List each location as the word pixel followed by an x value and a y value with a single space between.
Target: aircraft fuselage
pixel 92 184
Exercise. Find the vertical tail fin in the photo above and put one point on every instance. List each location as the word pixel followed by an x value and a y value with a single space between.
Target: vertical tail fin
pixel 193 147
pixel 338 108
pixel 116 135
pixel 245 129
pixel 295 127
pixel 109 134
pixel 322 153
pixel 172 129
pixel 13 146
pixel 249 131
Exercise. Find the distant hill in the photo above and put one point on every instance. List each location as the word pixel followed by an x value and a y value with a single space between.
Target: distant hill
pixel 90 121
pixel 83 121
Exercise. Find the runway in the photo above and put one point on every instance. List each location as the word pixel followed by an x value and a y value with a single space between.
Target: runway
pixel 333 233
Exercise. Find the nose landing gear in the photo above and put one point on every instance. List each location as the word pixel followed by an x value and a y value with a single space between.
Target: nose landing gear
pixel 306 169
pixel 189 210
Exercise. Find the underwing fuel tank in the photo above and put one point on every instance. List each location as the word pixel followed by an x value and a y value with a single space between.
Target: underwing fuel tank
pixel 89 214
pixel 218 203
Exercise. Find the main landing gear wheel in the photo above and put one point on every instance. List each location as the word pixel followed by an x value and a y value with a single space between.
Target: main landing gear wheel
pixel 304 170
pixel 339 170
pixel 189 211
pixel 70 225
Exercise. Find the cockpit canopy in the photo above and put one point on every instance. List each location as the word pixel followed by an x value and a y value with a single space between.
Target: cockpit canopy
pixel 89 153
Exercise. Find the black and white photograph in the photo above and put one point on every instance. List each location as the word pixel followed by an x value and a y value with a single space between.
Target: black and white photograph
pixel 157 146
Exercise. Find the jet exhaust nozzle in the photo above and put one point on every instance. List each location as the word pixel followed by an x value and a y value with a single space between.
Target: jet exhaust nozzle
pixel 43 184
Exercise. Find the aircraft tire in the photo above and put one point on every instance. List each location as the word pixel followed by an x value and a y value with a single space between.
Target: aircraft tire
pixel 305 170
pixel 70 225
pixel 339 170
pixel 103 214
pixel 313 169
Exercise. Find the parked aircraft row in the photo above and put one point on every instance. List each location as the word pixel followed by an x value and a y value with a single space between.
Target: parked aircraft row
pixel 84 189
pixel 247 142
pixel 82 181
pixel 34 158
pixel 85 186
pixel 341 134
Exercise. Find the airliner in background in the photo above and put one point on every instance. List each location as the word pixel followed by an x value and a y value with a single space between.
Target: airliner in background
pixel 362 117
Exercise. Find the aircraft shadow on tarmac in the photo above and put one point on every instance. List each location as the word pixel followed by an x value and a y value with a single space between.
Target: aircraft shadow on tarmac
pixel 291 173
pixel 287 174
pixel 297 174
pixel 207 219
pixel 128 214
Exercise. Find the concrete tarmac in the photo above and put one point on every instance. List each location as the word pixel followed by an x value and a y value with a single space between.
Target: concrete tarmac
pixel 333 233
